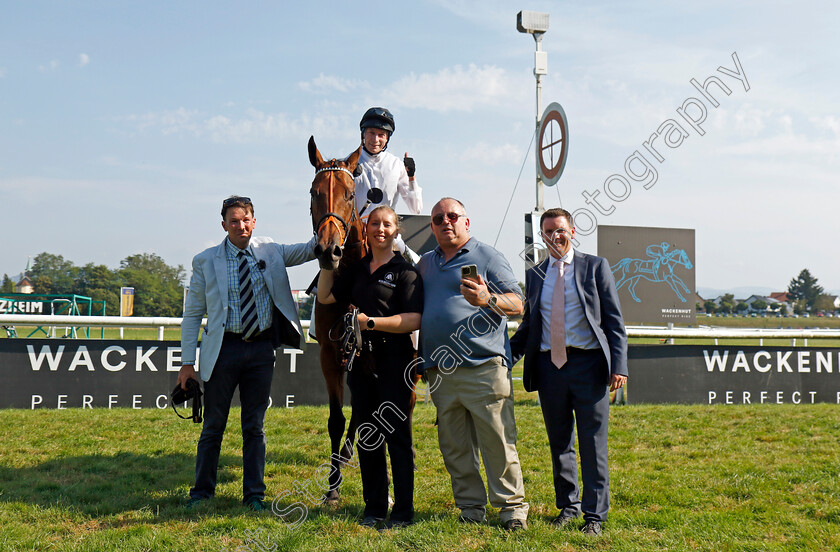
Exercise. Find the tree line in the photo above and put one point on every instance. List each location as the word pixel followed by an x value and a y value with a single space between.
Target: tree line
pixel 158 287
pixel 804 295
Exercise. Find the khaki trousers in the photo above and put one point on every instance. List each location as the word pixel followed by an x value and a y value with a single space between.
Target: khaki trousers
pixel 475 414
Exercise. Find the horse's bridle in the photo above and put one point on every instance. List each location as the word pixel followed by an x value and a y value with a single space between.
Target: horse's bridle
pixel 335 218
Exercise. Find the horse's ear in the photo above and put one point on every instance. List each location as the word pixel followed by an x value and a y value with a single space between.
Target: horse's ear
pixel 353 159
pixel 314 155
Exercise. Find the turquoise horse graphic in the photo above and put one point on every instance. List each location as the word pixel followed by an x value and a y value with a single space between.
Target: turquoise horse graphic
pixel 659 268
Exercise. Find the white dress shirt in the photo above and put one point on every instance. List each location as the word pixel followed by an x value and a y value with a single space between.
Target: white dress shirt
pixel 578 332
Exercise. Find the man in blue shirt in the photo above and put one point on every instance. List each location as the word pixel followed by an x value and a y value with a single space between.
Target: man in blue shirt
pixel 464 347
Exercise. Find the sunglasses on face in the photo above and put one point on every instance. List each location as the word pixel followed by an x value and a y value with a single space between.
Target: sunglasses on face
pixel 451 217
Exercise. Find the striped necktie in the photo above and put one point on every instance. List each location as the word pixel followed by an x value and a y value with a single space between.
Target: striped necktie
pixel 247 302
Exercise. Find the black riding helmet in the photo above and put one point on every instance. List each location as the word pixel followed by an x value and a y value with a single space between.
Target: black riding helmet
pixel 377 117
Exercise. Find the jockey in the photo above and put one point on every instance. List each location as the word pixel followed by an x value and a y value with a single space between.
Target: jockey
pixel 380 169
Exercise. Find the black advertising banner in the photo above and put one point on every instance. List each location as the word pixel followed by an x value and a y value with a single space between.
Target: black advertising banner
pixel 699 374
pixel 653 270
pixel 71 373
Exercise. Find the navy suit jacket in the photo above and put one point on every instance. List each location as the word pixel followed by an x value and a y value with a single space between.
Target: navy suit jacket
pixel 596 289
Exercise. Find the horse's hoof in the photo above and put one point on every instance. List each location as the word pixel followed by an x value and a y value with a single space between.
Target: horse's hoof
pixel 331 498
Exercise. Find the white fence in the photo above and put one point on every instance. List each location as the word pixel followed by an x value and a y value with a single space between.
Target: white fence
pixel 703 332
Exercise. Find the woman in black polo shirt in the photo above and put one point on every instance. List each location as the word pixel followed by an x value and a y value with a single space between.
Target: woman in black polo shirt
pixel 388 292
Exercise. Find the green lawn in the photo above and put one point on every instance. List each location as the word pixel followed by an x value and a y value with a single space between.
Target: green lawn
pixel 683 478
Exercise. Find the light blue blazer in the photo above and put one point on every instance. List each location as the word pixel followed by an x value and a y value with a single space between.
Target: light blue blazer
pixel 209 294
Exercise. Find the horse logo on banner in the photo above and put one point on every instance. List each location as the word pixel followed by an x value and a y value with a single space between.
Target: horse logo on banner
pixel 658 268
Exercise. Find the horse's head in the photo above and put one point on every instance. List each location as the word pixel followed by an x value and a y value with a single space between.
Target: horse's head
pixel 679 256
pixel 333 206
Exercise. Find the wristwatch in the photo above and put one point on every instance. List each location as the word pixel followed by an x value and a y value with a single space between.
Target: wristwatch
pixel 492 302
pixel 371 324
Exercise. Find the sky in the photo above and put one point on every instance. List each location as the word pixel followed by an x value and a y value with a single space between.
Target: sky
pixel 125 124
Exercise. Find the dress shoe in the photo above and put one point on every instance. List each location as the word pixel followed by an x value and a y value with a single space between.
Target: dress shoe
pixel 398 524
pixel 194 503
pixel 562 521
pixel 592 528
pixel 256 504
pixel 370 521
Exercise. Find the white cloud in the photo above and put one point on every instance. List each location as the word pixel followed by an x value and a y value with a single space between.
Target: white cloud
pixel 750 121
pixel 84 59
pixel 453 89
pixel 323 84
pixel 828 122
pixel 487 154
pixel 51 66
pixel 253 126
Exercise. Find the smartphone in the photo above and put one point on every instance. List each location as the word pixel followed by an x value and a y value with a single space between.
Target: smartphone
pixel 469 272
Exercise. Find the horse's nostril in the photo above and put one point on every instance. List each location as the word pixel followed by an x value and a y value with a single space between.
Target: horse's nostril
pixel 337 253
pixel 318 250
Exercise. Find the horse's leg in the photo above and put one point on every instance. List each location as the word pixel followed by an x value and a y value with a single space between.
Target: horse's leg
pixel 672 281
pixel 334 379
pixel 632 288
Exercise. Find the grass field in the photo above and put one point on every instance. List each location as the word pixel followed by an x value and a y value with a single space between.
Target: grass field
pixel 683 478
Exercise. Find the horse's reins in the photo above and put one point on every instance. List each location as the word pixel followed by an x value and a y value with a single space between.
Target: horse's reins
pixel 335 218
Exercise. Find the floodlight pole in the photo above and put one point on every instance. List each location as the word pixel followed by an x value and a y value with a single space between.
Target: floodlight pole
pixel 538 72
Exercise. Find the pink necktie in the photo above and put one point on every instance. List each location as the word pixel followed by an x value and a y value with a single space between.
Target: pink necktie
pixel 558 318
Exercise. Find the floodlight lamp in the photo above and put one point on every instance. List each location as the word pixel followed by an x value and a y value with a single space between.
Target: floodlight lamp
pixel 531 22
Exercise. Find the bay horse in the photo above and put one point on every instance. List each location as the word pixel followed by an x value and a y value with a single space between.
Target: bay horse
pixel 341 243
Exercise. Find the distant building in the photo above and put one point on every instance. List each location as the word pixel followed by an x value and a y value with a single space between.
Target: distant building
pixel 24 286
pixel 780 296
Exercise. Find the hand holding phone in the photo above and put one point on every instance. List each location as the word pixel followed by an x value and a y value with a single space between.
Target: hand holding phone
pixel 469 272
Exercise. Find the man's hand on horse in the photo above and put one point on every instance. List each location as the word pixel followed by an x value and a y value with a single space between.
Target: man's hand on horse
pixel 475 291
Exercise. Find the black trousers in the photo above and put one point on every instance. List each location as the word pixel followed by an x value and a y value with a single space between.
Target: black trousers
pixel 382 401
pixel 577 395
pixel 249 366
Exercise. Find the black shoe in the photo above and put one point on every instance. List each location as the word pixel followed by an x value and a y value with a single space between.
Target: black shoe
pixel 256 504
pixel 194 503
pixel 592 528
pixel 398 524
pixel 370 521
pixel 515 524
pixel 562 521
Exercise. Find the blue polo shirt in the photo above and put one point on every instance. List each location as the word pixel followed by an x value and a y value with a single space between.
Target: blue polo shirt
pixel 452 332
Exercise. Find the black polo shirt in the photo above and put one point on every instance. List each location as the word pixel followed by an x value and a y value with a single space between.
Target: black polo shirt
pixel 393 288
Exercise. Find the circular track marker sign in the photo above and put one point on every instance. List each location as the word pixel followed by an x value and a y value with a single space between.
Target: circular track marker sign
pixel 553 143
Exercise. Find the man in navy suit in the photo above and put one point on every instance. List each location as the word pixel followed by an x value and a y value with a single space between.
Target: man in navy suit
pixel 575 346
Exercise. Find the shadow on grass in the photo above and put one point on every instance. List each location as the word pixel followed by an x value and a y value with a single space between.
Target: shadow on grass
pixel 111 484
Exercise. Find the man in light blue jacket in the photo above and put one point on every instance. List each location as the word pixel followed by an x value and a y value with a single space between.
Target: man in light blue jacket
pixel 243 288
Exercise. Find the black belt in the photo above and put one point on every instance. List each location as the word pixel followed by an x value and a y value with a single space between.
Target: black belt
pixel 264 335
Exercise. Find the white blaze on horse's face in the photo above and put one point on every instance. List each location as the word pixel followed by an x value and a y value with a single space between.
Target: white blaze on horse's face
pixel 557 235
pixel 375 140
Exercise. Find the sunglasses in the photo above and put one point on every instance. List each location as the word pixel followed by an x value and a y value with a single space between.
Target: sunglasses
pixel 451 217
pixel 236 199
